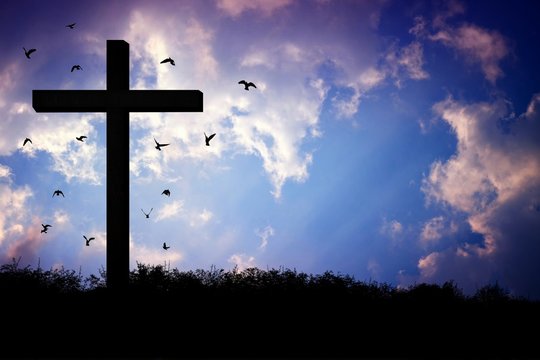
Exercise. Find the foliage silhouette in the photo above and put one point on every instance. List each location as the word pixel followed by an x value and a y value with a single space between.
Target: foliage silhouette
pixel 254 312
pixel 160 279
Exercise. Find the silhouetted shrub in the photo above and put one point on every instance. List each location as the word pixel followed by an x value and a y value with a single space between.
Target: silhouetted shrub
pixel 282 282
pixel 492 293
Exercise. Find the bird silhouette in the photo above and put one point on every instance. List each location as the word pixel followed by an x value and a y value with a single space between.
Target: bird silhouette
pixel 76 67
pixel 88 240
pixel 158 145
pixel 166 192
pixel 147 215
pixel 208 138
pixel 58 193
pixel 27 140
pixel 165 246
pixel 247 84
pixel 28 52
pixel 168 60
pixel 81 138
pixel 45 228
pixel 71 26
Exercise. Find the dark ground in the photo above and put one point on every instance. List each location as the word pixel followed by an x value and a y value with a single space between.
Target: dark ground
pixel 260 315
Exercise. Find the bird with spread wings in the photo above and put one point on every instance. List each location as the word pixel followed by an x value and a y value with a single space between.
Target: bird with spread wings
pixel 28 52
pixel 168 60
pixel 88 240
pixel 247 84
pixel 208 138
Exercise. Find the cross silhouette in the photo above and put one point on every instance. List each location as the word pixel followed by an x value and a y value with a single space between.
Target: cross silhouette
pixel 117 101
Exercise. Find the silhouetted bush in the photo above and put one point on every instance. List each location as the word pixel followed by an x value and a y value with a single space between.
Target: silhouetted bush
pixel 275 312
pixel 492 293
pixel 158 279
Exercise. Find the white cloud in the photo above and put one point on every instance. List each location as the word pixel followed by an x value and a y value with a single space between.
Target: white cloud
pixel 14 203
pixel 171 210
pixel 270 122
pixel 264 234
pixel 5 172
pixel 494 178
pixel 419 28
pixel 242 261
pixel 477 45
pixel 432 230
pixel 61 217
pixel 201 218
pixel 374 268
pixel 97 247
pixel 155 255
pixel 391 228
pixel 406 63
pixel 9 76
pixel 397 63
pixel 234 8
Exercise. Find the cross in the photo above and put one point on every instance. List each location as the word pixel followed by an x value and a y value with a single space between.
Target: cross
pixel 117 101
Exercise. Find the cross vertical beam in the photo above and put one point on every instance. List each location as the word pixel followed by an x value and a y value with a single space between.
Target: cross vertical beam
pixel 118 164
pixel 117 199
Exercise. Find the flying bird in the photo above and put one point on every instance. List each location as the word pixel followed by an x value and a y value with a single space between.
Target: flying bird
pixel 28 52
pixel 165 246
pixel 27 140
pixel 88 240
pixel 168 60
pixel 58 193
pixel 166 192
pixel 208 138
pixel 247 84
pixel 147 215
pixel 71 26
pixel 158 145
pixel 76 67
pixel 81 138
pixel 45 228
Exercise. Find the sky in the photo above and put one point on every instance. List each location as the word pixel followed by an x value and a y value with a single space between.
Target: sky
pixel 393 141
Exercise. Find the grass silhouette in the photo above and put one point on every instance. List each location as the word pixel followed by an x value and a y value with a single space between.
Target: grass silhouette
pixel 256 313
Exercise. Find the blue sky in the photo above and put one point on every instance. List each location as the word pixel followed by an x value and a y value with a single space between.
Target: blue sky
pixel 396 141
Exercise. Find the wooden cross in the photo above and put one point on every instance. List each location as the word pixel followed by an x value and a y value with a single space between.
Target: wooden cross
pixel 117 101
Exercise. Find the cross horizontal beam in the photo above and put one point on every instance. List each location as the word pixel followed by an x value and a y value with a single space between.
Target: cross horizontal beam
pixel 127 100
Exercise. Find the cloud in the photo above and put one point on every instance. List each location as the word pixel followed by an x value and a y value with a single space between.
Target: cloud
pixel 392 228
pixel 448 10
pixel 9 76
pixel 97 247
pixel 494 179
pixel 200 218
pixel 432 230
pixel 374 268
pixel 264 234
pixel 397 63
pixel 235 8
pixel 270 122
pixel 14 204
pixel 5 172
pixel 24 242
pixel 51 134
pixel 171 210
pixel 242 261
pixel 61 217
pixel 477 45
pixel 406 63
pixel 140 253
